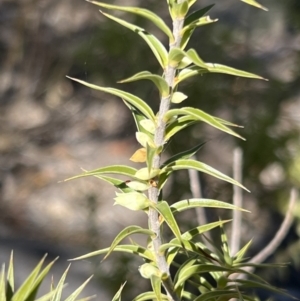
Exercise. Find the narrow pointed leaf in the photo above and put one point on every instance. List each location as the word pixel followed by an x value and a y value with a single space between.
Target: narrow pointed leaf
pixel 60 285
pixel 198 269
pixel 137 116
pixel 38 281
pixel 116 182
pixel 151 152
pixel 2 284
pixel 133 249
pixel 26 288
pixel 112 169
pixel 201 229
pixel 188 30
pixel 159 81
pixel 254 284
pixel 178 125
pixel 241 253
pixel 194 16
pixel 130 98
pixel 200 115
pixel 117 296
pixel 155 19
pixel 124 233
pixel 78 291
pixel 212 295
pixel 213 68
pixel 155 45
pixel 255 3
pixel 47 297
pixel 149 296
pixel 183 155
pixel 156 286
pixel 10 285
pixel 204 203
pixel 202 167
pixel 165 211
pixel 218 68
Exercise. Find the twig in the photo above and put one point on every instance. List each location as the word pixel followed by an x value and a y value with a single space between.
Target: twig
pixel 195 186
pixel 278 238
pixel 281 233
pixel 235 240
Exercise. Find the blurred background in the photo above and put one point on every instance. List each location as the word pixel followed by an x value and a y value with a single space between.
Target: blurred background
pixel 52 127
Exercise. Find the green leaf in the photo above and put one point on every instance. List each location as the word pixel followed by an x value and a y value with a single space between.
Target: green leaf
pixel 10 285
pixel 116 182
pixel 147 270
pixel 137 116
pixel 196 15
pixel 124 233
pixel 117 296
pixel 218 68
pixel 2 284
pixel 175 56
pixel 149 296
pixel 135 101
pixel 144 139
pixel 188 30
pixel 225 248
pixel 200 115
pixel 212 68
pixel 151 152
pixel 28 289
pixel 179 9
pixel 148 125
pixel 141 12
pixel 76 293
pixel 165 211
pixel 112 169
pixel 144 174
pixel 156 286
pixel 185 273
pixel 38 281
pixel 133 249
pixel 183 155
pixel 205 203
pixel 132 200
pixel 226 294
pixel 202 167
pixel 60 286
pixel 201 229
pixel 253 284
pixel 159 81
pixel 138 186
pixel 155 45
pixel 239 256
pixel 255 3
pixel 178 97
pixel 178 125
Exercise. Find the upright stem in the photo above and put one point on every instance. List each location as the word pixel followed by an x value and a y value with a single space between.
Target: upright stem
pixel 153 192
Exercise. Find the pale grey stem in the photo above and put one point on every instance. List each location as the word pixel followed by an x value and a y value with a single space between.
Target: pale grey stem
pixel 153 192
pixel 235 240
pixel 278 238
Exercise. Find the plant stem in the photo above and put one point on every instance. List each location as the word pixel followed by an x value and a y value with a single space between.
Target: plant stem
pixel 154 223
